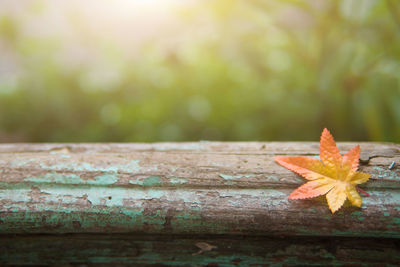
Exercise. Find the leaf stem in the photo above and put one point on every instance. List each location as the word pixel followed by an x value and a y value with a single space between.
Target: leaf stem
pixel 363 192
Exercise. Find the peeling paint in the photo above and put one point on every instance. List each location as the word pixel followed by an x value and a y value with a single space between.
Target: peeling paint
pixel 158 181
pixel 186 211
pixel 133 213
pixel 148 181
pixel 136 182
pixel 88 193
pixel 387 174
pixel 105 179
pixel 231 177
pixel 153 181
pixel 178 180
pixel 231 183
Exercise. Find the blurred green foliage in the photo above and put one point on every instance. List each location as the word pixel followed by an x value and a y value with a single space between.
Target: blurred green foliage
pixel 226 70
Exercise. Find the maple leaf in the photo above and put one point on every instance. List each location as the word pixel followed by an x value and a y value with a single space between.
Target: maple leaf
pixel 333 175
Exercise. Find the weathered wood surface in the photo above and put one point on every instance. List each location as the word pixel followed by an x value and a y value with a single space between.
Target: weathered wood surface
pixel 202 188
pixel 152 204
pixel 185 188
pixel 165 250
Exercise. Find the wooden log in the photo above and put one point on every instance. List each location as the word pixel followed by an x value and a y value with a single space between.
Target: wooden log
pixel 201 188
pixel 215 250
pixel 205 203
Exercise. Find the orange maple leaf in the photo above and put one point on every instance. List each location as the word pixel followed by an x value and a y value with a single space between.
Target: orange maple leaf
pixel 333 175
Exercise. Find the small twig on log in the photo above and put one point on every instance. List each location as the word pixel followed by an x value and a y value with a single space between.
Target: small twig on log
pixel 363 192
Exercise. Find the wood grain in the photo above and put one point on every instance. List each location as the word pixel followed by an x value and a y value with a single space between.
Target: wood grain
pixel 168 250
pixel 185 188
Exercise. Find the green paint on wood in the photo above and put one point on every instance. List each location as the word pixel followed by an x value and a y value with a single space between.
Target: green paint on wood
pixel 148 181
pixel 136 182
pixel 95 206
pixel 177 180
pixel 158 181
pixel 152 181
pixel 105 179
pixel 387 174
pixel 59 219
pixel 359 215
pixel 230 177
pixel 133 213
pixel 17 194
pixel 57 178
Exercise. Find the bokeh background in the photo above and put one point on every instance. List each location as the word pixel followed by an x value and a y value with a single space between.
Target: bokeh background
pixel 173 70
